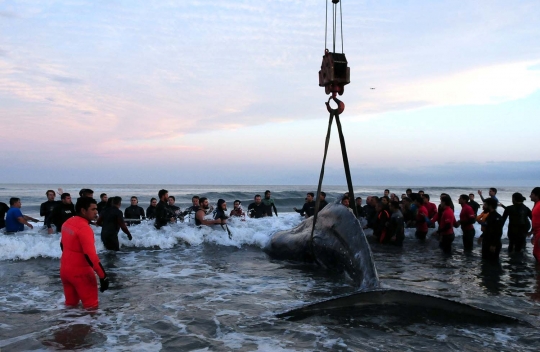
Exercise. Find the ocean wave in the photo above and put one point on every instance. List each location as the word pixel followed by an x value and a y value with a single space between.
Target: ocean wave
pixel 37 243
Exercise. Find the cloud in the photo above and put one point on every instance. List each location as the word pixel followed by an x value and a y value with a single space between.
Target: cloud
pixel 490 85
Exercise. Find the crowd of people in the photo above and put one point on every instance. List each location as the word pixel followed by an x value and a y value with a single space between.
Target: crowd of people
pixel 388 216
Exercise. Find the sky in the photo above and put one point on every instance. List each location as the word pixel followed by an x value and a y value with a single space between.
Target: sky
pixel 226 92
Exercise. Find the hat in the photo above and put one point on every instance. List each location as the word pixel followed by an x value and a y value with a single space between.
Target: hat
pixel 518 197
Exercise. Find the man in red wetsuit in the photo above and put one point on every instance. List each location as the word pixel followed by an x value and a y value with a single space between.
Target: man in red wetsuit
pixel 79 259
pixel 446 224
pixel 467 218
pixel 535 197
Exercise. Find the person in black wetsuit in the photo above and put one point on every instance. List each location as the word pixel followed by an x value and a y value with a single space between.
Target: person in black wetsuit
pixel 322 202
pixel 201 213
pixel 474 205
pixel 151 210
pixel 134 211
pixel 370 211
pixel 192 210
pixel 3 210
pixel 519 225
pixel 360 208
pixel 111 221
pixel 60 214
pixel 396 225
pixel 493 229
pixel 309 206
pixel 103 203
pixel 47 207
pixel 173 208
pixel 163 213
pixel 221 210
pixel 257 209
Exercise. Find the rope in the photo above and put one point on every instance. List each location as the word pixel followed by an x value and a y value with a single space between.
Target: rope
pixel 326 26
pixel 333 114
pixel 341 20
pixel 318 201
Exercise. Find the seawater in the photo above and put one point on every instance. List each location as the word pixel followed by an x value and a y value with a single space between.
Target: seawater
pixel 183 288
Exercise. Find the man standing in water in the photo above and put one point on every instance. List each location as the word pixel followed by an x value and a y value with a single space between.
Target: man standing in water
pixel 519 225
pixel 467 218
pixel 111 221
pixel 15 220
pixel 474 205
pixel 257 209
pixel 103 204
pixel 493 229
pixel 535 197
pixel 163 214
pixel 201 212
pixel 309 206
pixel 268 201
pixel 134 211
pixel 79 259
pixel 60 213
pixel 3 210
pixel 47 207
pixel 151 210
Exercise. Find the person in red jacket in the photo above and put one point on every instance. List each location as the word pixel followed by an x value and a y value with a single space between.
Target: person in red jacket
pixel 79 259
pixel 421 220
pixel 446 224
pixel 467 218
pixel 535 197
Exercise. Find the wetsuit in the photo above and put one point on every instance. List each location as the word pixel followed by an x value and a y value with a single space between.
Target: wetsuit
pixel 396 228
pixel 151 212
pixel 3 210
pixel 111 221
pixel 360 211
pixel 101 206
pixel 467 218
pixel 475 206
pixel 380 229
pixel 47 208
pixel 60 214
pixel 78 263
pixel 259 210
pixel 322 204
pixel 269 203
pixel 446 229
pixel 134 212
pixel 491 237
pixel 371 215
pixel 518 226
pixel 409 216
pixel 421 223
pixel 536 230
pixel 163 215
pixel 12 224
pixel 173 209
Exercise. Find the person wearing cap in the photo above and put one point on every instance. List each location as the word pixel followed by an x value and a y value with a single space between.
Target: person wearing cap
pixel 535 197
pixel 519 225
pixel 60 214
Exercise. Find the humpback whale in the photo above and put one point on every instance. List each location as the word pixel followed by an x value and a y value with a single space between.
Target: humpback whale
pixel 338 242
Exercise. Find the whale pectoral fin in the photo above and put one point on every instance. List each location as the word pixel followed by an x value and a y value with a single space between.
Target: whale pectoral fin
pixel 409 305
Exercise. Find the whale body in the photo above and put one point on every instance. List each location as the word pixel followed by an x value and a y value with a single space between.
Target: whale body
pixel 340 243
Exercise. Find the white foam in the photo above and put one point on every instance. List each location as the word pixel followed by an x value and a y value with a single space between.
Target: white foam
pixel 35 243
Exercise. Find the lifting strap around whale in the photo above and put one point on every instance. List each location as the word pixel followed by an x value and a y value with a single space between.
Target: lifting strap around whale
pixel 333 113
